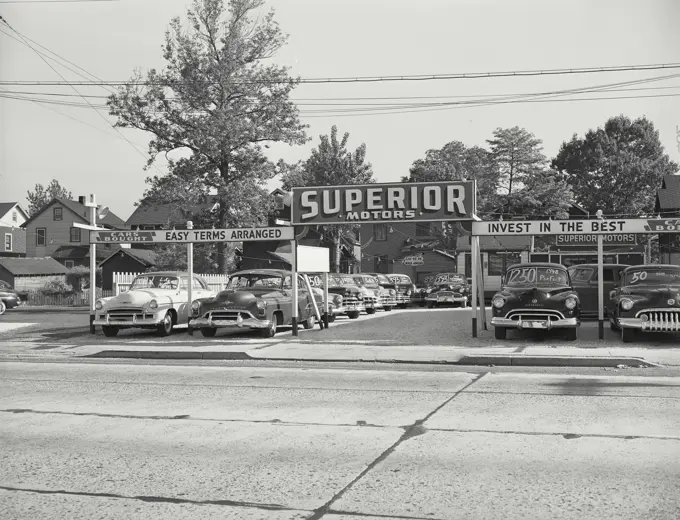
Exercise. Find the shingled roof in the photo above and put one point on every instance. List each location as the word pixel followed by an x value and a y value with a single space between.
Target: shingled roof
pixel 110 220
pixel 80 252
pixel 146 257
pixel 152 214
pixel 32 266
pixel 668 197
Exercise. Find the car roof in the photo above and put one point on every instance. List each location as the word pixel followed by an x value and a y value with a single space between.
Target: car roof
pixel 613 266
pixel 538 264
pixel 651 267
pixel 169 273
pixel 263 271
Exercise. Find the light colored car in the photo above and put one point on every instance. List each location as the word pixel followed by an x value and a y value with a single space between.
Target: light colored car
pixel 154 301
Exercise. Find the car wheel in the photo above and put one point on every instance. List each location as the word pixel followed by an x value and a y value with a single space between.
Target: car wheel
pixel 370 311
pixel 430 305
pixel 309 322
pixel 402 305
pixel 353 315
pixel 109 331
pixel 570 334
pixel 164 328
pixel 627 335
pixel 421 304
pixel 387 308
pixel 270 331
pixel 500 332
pixel 3 307
pixel 613 326
pixel 331 318
pixel 208 332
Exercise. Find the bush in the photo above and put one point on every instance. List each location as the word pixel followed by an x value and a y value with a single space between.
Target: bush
pixel 79 277
pixel 54 287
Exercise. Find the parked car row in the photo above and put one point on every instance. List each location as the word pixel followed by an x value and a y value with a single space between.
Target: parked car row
pixel 547 296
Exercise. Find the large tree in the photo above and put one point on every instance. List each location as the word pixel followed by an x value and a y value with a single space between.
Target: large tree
pixel 616 168
pixel 331 164
pixel 41 196
pixel 517 154
pixel 219 100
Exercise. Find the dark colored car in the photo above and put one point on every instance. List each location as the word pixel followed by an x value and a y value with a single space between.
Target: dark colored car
pixel 404 287
pixel 347 296
pixel 647 299
pixel 373 293
pixel 449 289
pixel 536 295
pixel 260 299
pixel 389 295
pixel 9 298
pixel 584 280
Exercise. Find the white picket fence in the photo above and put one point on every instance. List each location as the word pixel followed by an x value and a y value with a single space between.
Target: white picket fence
pixel 122 281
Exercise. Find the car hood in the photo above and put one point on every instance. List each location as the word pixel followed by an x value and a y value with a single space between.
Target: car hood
pixel 527 295
pixel 242 298
pixel 339 289
pixel 653 293
pixel 140 297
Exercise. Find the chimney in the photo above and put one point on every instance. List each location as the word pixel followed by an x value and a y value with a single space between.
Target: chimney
pixel 82 199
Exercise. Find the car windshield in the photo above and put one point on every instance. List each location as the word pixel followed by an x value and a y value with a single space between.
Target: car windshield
pixel 5 286
pixel 652 276
pixel 523 276
pixel 239 281
pixel 448 278
pixel 155 282
pixel 365 280
pixel 581 274
pixel 340 280
pixel 399 278
pixel 382 279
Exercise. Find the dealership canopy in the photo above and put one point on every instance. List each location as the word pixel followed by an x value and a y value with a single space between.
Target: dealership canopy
pixel 575 227
pixel 193 235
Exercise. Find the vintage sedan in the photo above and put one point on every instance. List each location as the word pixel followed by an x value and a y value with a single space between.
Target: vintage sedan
pixel 449 289
pixel 9 298
pixel 536 296
pixel 647 299
pixel 374 294
pixel 348 297
pixel 154 301
pixel 258 299
pixel 584 281
pixel 405 289
pixel 389 295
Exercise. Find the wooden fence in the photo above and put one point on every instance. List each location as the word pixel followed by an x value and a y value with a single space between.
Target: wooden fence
pixel 78 299
pixel 122 281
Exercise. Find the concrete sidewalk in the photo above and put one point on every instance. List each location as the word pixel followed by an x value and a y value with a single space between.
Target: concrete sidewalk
pixel 384 353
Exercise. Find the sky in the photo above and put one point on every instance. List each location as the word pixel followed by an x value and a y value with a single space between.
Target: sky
pixel 340 38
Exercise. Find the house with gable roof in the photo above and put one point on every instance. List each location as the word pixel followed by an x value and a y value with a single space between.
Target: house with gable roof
pixel 12 236
pixel 50 232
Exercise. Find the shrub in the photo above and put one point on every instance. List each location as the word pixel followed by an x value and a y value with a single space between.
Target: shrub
pixel 79 277
pixel 56 287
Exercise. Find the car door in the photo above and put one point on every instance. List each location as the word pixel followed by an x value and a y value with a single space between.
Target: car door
pixel 305 305
pixel 180 300
pixel 584 282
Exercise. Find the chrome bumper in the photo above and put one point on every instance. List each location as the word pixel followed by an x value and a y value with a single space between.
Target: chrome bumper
pixel 238 323
pixel 134 322
pixel 531 324
pixel 648 326
pixel 402 298
pixel 454 299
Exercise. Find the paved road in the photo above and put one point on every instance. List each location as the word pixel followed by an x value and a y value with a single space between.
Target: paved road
pixel 143 441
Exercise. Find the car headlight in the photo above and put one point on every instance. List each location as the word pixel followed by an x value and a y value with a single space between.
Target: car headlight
pixel 498 302
pixel 153 304
pixel 627 304
pixel 644 317
pixel 195 305
pixel 408 293
pixel 570 303
pixel 99 305
pixel 337 299
pixel 260 304
pixel 393 292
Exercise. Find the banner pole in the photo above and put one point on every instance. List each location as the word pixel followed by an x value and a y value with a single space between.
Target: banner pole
pixel 294 303
pixel 190 281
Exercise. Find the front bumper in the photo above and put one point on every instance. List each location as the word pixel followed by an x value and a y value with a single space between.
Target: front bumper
pixel 648 326
pixel 402 299
pixel 447 299
pixel 566 323
pixel 236 323
pixel 106 320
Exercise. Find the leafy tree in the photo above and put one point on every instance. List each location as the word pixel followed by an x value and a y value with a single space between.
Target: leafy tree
pixel 331 164
pixel 41 196
pixel 218 100
pixel 617 168
pixel 545 194
pixel 516 154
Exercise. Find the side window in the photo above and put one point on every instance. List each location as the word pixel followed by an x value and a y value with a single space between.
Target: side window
pixel 183 282
pixel 380 232
pixel 198 284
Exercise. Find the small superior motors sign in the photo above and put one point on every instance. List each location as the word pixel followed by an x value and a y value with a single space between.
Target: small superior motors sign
pixel 193 235
pixel 420 201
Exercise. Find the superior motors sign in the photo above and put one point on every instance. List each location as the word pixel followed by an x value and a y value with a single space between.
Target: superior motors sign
pixel 576 227
pixel 397 202
pixel 193 235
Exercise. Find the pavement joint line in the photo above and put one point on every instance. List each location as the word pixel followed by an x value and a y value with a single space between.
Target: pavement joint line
pixel 559 434
pixel 212 385
pixel 627 396
pixel 412 430
pixel 381 515
pixel 146 498
pixel 278 422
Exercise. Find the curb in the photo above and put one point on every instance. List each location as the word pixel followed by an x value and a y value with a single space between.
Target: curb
pixel 498 360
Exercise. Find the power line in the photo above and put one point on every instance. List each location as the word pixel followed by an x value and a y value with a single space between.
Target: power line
pixel 51 1
pixel 374 79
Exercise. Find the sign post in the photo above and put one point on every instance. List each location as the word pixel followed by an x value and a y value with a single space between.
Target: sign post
pixel 190 281
pixel 600 286
pixel 475 282
pixel 294 303
pixel 325 300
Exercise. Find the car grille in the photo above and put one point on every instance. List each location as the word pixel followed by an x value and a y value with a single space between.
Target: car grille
pixel 387 300
pixel 349 300
pixel 231 314
pixel 129 314
pixel 533 314
pixel 370 300
pixel 661 320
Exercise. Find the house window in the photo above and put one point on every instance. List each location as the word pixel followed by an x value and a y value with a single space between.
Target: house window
pixel 40 236
pixel 422 229
pixel 58 213
pixel 8 241
pixel 380 232
pixel 69 264
pixel 75 234
pixel 279 203
pixel 14 216
pixel 499 263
